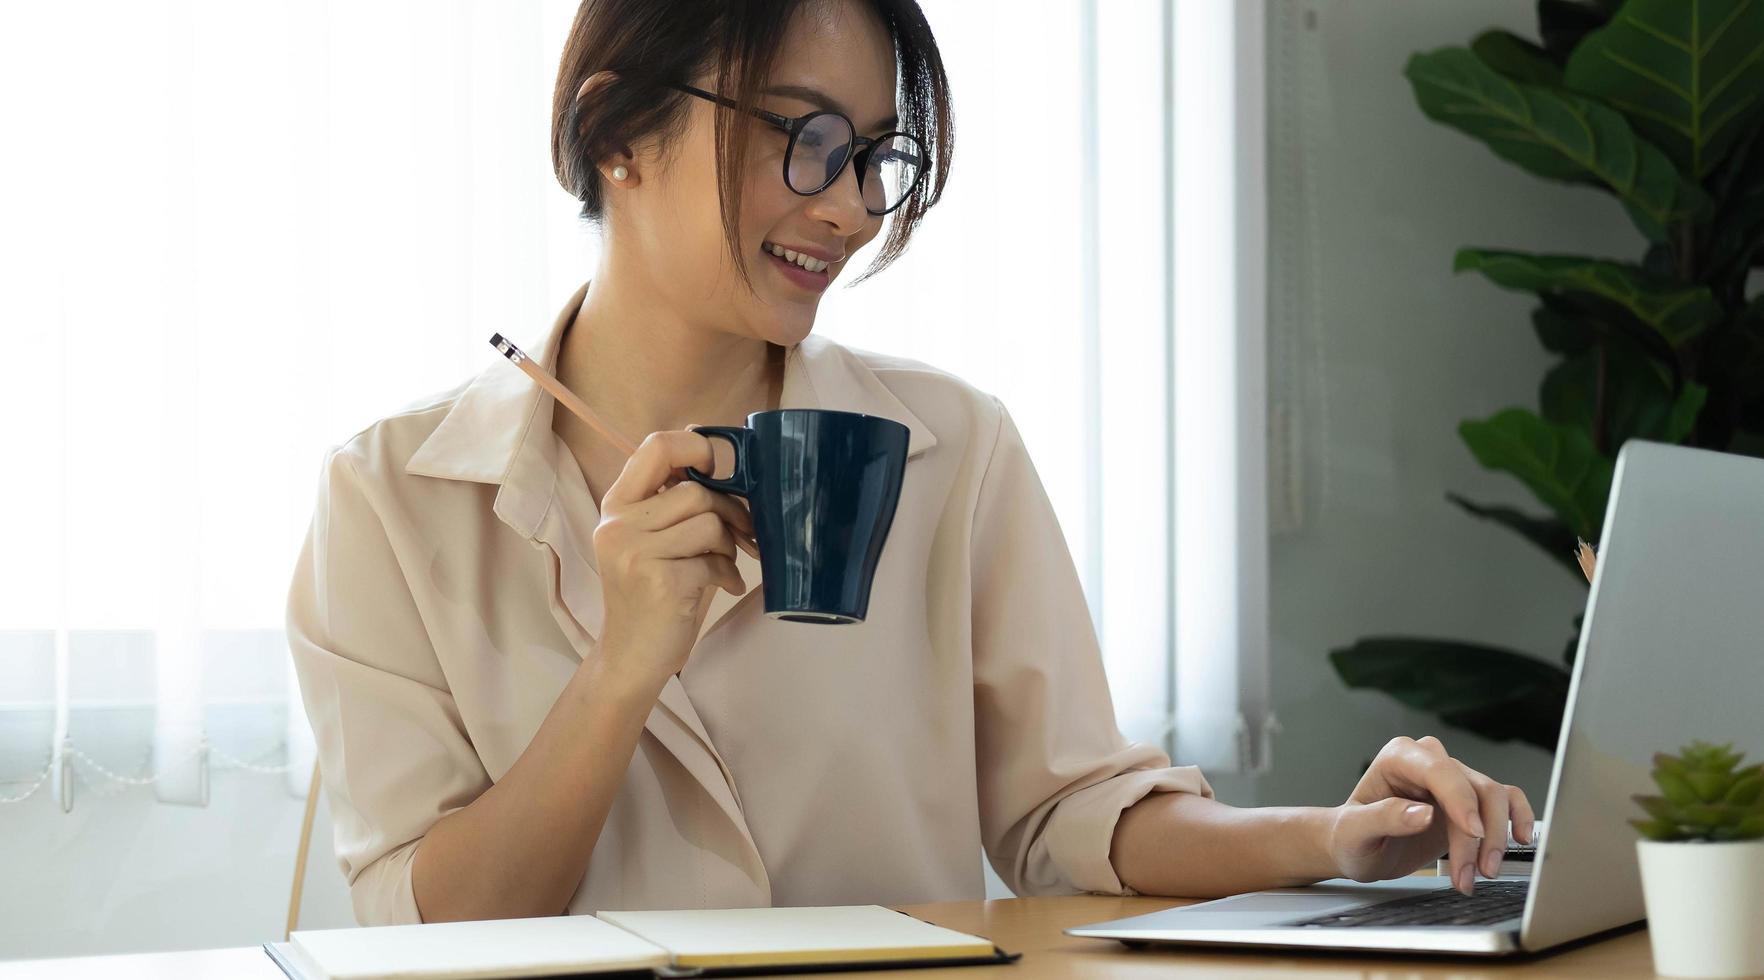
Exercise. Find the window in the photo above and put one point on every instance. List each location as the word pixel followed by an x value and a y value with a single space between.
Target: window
pixel 294 219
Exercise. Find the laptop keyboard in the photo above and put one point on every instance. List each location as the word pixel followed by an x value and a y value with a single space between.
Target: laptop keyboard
pixel 1494 901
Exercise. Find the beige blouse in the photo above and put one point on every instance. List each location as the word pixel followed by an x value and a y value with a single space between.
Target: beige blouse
pixel 446 592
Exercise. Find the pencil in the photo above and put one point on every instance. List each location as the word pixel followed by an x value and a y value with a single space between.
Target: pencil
pixel 1584 555
pixel 568 399
pixel 564 396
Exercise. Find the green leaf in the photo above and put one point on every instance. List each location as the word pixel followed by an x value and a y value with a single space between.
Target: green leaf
pixel 1687 73
pixel 1495 693
pixel 1746 791
pixel 1549 534
pixel 1677 313
pixel 1682 420
pixel 1676 787
pixel 1701 755
pixel 1736 241
pixel 1709 815
pixel 1560 331
pixel 1638 403
pixel 1554 134
pixel 1709 786
pixel 1658 807
pixel 1563 24
pixel 1557 462
pixel 1733 364
pixel 1516 58
pixel 1568 323
pixel 1660 830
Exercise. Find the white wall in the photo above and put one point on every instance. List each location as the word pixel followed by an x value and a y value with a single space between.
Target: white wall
pixel 1376 352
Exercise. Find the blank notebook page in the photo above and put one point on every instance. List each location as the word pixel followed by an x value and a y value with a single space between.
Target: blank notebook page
pixel 764 936
pixel 491 948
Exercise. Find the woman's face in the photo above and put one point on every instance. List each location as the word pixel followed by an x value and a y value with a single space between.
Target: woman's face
pixel 837 49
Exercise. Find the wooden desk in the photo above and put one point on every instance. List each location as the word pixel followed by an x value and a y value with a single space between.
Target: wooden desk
pixel 1030 926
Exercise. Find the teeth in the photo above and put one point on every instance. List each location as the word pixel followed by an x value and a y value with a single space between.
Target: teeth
pixel 802 259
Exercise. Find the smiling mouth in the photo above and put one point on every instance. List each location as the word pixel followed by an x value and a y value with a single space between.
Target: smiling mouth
pixel 801 260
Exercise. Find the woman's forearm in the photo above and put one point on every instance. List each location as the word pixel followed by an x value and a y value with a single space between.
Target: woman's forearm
pixel 522 847
pixel 1185 845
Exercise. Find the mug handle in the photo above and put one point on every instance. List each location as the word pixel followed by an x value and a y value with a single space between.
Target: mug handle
pixel 740 437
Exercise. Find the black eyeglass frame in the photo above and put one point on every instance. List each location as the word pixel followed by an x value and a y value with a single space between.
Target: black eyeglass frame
pixel 857 151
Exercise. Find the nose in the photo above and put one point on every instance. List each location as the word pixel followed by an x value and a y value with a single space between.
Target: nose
pixel 841 203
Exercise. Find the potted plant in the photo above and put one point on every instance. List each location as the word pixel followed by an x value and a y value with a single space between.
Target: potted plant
pixel 1702 863
pixel 1656 104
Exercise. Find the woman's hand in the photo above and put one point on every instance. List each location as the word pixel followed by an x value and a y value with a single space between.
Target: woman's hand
pixel 1417 802
pixel 661 547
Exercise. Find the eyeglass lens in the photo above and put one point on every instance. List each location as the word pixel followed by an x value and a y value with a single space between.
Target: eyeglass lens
pixel 819 155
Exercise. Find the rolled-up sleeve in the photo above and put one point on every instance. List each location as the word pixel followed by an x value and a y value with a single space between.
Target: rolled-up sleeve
pixel 393 752
pixel 1054 770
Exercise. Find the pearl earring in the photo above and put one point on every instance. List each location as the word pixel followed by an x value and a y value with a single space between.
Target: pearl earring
pixel 620 173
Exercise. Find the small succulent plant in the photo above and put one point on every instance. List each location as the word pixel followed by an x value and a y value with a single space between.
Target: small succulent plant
pixel 1707 797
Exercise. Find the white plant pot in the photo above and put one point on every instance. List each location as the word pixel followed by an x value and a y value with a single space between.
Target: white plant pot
pixel 1705 906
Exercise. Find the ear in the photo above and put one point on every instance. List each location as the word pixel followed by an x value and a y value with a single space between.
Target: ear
pixel 595 82
pixel 591 85
pixel 610 172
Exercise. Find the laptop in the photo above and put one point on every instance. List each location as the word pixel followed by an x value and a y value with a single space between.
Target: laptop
pixel 1669 653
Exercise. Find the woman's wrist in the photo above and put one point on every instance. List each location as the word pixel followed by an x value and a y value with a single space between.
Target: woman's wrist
pixel 1168 844
pixel 1319 822
pixel 612 672
pixel 1300 841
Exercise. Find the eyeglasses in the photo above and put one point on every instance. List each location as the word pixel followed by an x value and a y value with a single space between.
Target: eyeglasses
pixel 888 166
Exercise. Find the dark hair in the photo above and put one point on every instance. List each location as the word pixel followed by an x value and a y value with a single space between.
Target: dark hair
pixel 650 43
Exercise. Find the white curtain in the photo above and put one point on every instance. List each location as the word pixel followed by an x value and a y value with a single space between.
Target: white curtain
pixel 235 233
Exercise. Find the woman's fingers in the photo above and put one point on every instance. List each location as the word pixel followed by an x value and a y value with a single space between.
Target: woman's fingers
pixel 655 466
pixel 654 462
pixel 1492 799
pixel 1423 764
pixel 688 499
pixel 1461 860
pixel 700 534
pixel 704 550
pixel 718 570
pixel 1524 819
pixel 1477 810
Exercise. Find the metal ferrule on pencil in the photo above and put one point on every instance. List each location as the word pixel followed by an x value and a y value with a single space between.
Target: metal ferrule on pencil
pixel 508 349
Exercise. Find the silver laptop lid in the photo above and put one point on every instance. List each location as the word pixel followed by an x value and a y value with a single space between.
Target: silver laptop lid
pixel 1672 650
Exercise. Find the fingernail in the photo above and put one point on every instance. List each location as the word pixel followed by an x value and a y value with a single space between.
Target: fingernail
pixel 1466 880
pixel 1491 864
pixel 1416 812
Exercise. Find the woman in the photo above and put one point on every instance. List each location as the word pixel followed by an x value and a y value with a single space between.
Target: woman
pixel 533 681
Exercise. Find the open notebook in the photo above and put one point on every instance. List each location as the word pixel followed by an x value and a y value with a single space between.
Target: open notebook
pixel 687 943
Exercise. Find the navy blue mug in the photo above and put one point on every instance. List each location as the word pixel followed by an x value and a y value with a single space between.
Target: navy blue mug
pixel 822 487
